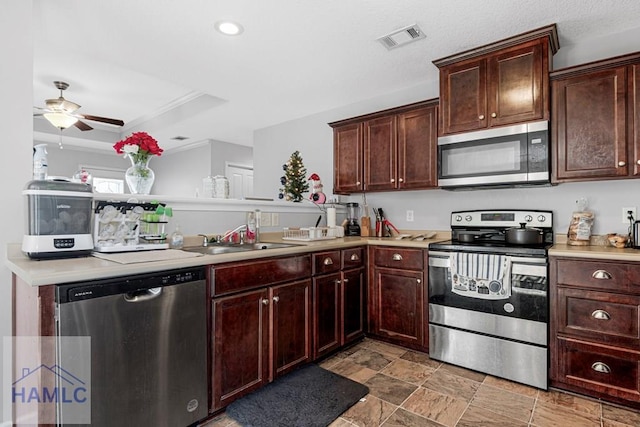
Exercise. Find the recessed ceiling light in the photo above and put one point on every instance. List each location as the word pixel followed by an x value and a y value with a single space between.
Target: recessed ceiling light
pixel 229 28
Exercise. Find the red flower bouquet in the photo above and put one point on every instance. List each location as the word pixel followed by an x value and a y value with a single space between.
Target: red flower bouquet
pixel 139 145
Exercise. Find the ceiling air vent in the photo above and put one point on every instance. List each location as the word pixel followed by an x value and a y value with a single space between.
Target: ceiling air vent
pixel 402 36
pixel 180 138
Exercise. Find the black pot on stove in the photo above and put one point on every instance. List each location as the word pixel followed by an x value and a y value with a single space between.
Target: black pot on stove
pixel 524 235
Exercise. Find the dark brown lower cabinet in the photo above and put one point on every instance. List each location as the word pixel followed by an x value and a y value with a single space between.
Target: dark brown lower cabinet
pixel 397 295
pixel 595 328
pixel 338 299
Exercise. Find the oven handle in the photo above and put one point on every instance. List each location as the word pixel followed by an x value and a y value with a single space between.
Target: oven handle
pixel 538 269
pixel 533 292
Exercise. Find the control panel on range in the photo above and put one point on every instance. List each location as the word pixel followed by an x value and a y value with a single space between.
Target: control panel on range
pixel 501 218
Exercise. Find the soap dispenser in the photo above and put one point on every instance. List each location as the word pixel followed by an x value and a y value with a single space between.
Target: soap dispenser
pixel 177 239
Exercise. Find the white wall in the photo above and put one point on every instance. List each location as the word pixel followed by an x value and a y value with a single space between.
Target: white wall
pixel 16 46
pixel 180 173
pixel 314 139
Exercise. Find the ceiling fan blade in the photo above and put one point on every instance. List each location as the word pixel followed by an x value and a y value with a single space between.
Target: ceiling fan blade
pixel 115 122
pixel 38 114
pixel 82 125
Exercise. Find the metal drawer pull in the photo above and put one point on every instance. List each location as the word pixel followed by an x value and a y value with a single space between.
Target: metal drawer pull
pixel 601 274
pixel 345 281
pixel 265 302
pixel 337 281
pixel 396 257
pixel 621 164
pixel 276 299
pixel 355 257
pixel 601 315
pixel 327 261
pixel 601 367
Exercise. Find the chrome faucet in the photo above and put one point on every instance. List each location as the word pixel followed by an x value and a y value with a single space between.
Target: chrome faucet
pixel 241 228
pixel 205 242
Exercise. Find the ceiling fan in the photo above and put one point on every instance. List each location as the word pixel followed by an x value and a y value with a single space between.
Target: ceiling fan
pixel 63 113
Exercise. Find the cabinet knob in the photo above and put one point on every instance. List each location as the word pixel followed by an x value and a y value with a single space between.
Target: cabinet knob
pixel 396 257
pixel 345 280
pixel 401 180
pixel 601 275
pixel 265 301
pixel 600 315
pixel 327 261
pixel 393 180
pixel 357 182
pixel 481 117
pixel 276 298
pixel 638 162
pixel 601 367
pixel 494 115
pixel 355 257
pixel 337 281
pixel 621 164
pixel 419 281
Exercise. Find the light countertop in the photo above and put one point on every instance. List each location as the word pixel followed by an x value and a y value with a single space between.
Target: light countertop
pixel 67 270
pixel 57 271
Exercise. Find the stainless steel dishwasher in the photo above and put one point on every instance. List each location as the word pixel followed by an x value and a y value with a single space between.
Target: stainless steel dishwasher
pixel 148 347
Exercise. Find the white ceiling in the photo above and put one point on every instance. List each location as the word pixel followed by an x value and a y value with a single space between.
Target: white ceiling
pixel 160 66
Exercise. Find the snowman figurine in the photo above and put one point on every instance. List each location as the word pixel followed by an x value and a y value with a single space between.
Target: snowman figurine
pixel 316 196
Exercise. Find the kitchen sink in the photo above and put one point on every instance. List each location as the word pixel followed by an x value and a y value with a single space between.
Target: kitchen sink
pixel 227 249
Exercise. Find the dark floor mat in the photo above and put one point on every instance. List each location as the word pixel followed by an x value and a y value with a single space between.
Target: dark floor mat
pixel 309 396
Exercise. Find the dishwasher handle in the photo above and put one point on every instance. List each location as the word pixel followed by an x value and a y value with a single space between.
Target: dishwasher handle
pixel 143 295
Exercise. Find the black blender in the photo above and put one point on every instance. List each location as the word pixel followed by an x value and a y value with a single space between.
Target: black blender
pixel 353 213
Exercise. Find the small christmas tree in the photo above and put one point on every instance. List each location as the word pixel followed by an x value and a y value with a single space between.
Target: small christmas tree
pixel 294 179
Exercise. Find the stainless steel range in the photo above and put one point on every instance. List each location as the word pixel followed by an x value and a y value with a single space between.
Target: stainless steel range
pixel 488 294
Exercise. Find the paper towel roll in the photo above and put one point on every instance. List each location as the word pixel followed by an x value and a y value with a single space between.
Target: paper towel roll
pixel 331 217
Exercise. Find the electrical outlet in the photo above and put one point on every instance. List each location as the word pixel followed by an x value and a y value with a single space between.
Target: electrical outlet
pixel 409 216
pixel 275 219
pixel 625 214
pixel 265 219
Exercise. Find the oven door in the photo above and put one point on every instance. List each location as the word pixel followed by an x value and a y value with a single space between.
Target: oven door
pixel 509 155
pixel 528 298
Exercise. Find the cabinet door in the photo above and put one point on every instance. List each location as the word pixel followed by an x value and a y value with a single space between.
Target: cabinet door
pixel 353 303
pixel 634 123
pixel 380 165
pixel 399 305
pixel 463 96
pixel 516 85
pixel 417 149
pixel 240 346
pixel 291 326
pixel 589 125
pixel 326 313
pixel 347 158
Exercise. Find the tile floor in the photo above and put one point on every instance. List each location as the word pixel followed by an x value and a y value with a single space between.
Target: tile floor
pixel 407 389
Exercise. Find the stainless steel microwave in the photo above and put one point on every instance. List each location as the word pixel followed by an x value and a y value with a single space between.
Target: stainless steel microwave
pixel 515 155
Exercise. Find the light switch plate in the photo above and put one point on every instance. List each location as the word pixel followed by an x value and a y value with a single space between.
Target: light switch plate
pixel 265 219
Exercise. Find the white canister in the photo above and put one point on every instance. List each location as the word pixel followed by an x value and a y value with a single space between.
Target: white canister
pixel 221 187
pixel 331 217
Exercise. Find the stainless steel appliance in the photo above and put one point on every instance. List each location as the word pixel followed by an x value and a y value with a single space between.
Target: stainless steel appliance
pixel 488 299
pixel 515 155
pixel 148 347
pixel 59 219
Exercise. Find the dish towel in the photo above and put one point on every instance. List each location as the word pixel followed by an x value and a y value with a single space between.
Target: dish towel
pixel 484 276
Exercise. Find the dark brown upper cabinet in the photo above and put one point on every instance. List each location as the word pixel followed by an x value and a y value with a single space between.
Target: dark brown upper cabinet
pixel 389 150
pixel 502 83
pixel 595 120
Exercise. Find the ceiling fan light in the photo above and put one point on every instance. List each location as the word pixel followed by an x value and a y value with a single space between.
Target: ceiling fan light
pixel 60 120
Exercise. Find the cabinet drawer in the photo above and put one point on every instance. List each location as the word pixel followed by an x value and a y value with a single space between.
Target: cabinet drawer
pixel 598 274
pixel 352 258
pixel 325 262
pixel 599 316
pixel 603 369
pixel 234 277
pixel 406 259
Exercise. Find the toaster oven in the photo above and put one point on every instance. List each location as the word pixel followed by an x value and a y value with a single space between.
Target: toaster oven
pixel 58 221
